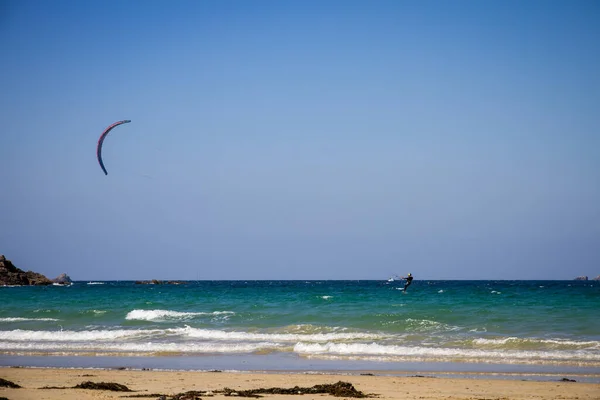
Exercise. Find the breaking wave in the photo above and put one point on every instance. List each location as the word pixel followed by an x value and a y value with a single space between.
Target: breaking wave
pixel 168 315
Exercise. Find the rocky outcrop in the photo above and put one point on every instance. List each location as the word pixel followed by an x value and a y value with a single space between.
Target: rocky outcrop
pixel 63 279
pixel 157 282
pixel 13 276
pixel 596 278
pixel 581 278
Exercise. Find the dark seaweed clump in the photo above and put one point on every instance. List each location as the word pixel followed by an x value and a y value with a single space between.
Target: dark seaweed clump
pixel 191 395
pixel 115 387
pixel 8 384
pixel 339 389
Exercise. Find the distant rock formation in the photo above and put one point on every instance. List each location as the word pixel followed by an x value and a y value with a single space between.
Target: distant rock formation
pixel 63 279
pixel 13 276
pixel 157 282
pixel 581 278
pixel 596 278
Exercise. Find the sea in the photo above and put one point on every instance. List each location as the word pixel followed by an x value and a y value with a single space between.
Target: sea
pixel 542 329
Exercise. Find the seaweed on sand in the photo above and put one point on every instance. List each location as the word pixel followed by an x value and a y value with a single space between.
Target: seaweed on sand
pixel 8 384
pixel 115 387
pixel 339 389
pixel 190 395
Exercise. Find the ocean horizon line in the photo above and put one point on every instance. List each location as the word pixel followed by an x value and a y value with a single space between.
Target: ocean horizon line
pixel 332 280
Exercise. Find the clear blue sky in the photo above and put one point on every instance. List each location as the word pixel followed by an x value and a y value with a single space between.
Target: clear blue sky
pixel 301 139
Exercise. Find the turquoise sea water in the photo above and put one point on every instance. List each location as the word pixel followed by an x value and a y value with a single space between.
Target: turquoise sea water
pixel 538 324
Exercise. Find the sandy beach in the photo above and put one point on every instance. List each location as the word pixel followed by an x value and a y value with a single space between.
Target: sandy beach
pixel 50 383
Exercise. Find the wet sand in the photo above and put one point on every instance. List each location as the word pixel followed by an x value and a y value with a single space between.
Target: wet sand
pixel 53 383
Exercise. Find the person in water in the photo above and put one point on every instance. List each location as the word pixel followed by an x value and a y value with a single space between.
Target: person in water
pixel 409 279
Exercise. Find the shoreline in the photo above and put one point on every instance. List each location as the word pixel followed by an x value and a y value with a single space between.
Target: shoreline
pixel 289 364
pixel 59 383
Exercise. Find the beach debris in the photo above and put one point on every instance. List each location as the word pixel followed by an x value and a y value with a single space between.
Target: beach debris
pixel 339 389
pixel 8 384
pixel 191 395
pixel 567 380
pixel 115 387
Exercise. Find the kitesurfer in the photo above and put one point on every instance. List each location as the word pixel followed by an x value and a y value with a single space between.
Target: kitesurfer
pixel 409 280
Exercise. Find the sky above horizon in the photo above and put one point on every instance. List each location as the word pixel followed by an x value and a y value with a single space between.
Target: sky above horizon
pixel 301 139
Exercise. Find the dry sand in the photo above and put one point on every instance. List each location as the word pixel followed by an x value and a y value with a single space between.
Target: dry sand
pixel 170 383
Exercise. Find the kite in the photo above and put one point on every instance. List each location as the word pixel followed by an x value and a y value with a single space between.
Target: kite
pixel 101 140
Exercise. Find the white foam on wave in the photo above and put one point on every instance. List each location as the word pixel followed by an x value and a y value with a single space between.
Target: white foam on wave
pixel 556 342
pixel 94 312
pixel 321 345
pixel 95 283
pixel 326 297
pixel 209 334
pixel 476 330
pixel 375 349
pixel 425 325
pixel 179 334
pixel 168 315
pixel 20 335
pixel 140 347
